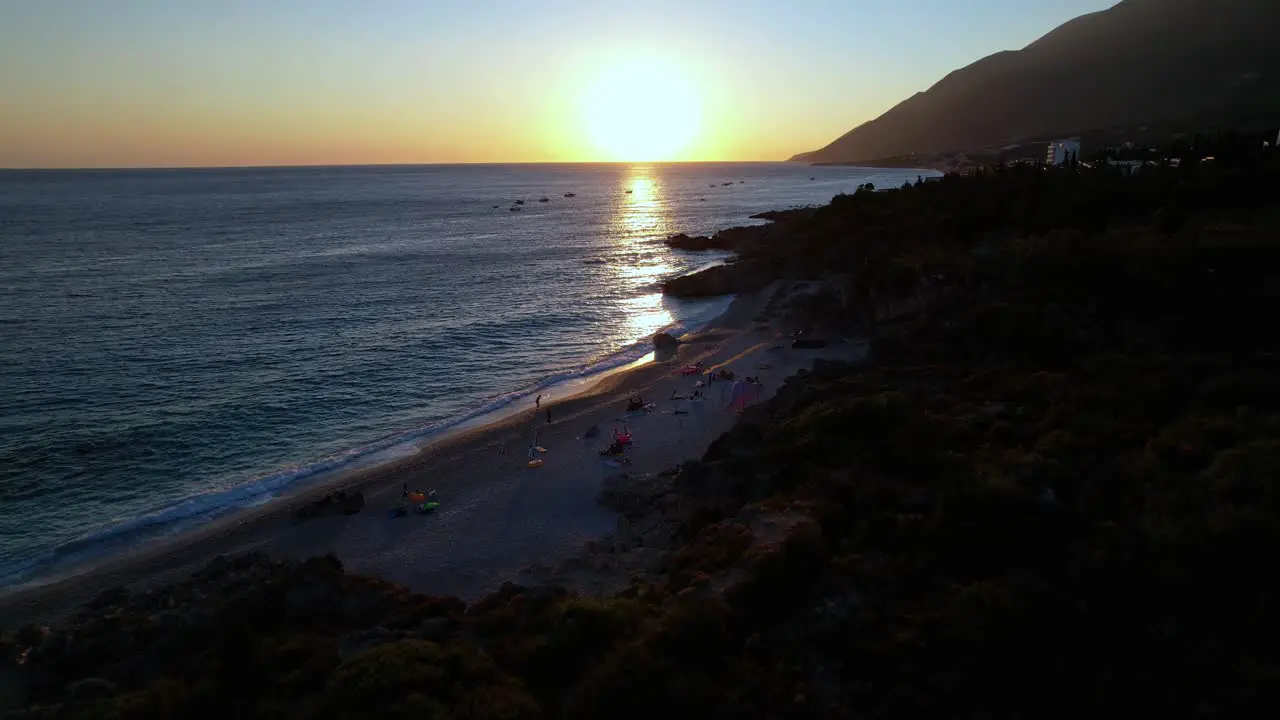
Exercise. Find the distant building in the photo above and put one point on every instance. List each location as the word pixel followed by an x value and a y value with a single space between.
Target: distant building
pixel 1062 152
pixel 1128 167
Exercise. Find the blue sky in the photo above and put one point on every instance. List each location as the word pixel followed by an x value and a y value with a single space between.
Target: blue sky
pixel 204 82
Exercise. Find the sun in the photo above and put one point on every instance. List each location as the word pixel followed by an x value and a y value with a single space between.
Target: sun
pixel 641 110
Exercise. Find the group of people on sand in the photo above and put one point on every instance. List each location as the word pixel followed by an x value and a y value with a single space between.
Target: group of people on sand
pixel 622 438
pixel 617 448
pixel 721 374
pixel 635 403
pixel 415 499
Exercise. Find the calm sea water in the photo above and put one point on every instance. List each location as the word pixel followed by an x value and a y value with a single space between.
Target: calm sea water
pixel 176 344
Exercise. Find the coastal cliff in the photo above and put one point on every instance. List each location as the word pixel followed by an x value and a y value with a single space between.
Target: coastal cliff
pixel 755 247
pixel 1049 492
pixel 735 277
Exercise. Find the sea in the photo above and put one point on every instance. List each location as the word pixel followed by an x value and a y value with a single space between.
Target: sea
pixel 181 344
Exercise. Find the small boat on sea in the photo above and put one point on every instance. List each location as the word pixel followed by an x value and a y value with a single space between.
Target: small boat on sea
pixel 629 192
pixel 544 200
pixel 514 208
pixel 519 202
pixel 570 195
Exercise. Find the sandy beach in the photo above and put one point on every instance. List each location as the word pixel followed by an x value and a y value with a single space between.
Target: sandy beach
pixel 497 516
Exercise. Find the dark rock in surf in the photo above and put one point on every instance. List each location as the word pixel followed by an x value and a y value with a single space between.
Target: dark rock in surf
pixel 738 277
pixel 665 345
pixel 694 243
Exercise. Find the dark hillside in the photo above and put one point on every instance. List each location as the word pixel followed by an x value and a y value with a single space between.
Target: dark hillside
pixel 1182 63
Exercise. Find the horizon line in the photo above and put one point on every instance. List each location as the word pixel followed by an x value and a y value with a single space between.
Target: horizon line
pixel 109 168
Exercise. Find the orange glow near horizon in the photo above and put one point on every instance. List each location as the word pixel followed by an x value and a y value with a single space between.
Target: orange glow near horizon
pixel 151 83
pixel 634 104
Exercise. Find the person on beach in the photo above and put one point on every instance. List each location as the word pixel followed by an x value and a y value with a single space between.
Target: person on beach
pixel 415 496
pixel 537 403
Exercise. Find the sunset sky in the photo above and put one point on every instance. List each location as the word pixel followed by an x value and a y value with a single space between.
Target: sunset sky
pixel 115 83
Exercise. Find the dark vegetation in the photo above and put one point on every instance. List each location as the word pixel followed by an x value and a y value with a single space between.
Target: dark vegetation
pixel 1049 493
pixel 1178 64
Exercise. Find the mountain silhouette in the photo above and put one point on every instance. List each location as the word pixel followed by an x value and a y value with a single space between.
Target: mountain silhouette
pixel 1185 64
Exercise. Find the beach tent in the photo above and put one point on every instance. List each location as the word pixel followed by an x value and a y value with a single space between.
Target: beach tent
pixel 740 395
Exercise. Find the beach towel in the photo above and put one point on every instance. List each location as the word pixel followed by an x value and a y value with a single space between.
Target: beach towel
pixel 740 395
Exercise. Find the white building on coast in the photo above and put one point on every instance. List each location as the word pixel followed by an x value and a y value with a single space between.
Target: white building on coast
pixel 1062 152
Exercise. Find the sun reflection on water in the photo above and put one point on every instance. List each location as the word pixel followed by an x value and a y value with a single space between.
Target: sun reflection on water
pixel 643 221
pixel 641 184
pixel 646 315
pixel 643 212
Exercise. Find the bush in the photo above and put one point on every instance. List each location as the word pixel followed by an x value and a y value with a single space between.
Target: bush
pixel 415 678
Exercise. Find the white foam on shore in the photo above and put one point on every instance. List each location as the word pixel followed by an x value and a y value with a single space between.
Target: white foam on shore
pixel 197 510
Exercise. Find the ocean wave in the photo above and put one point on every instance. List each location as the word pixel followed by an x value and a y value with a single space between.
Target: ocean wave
pixel 196 510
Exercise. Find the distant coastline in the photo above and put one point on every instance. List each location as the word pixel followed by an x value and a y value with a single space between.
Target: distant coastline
pixel 892 164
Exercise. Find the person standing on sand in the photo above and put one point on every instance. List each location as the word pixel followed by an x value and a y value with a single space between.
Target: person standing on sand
pixel 537 403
